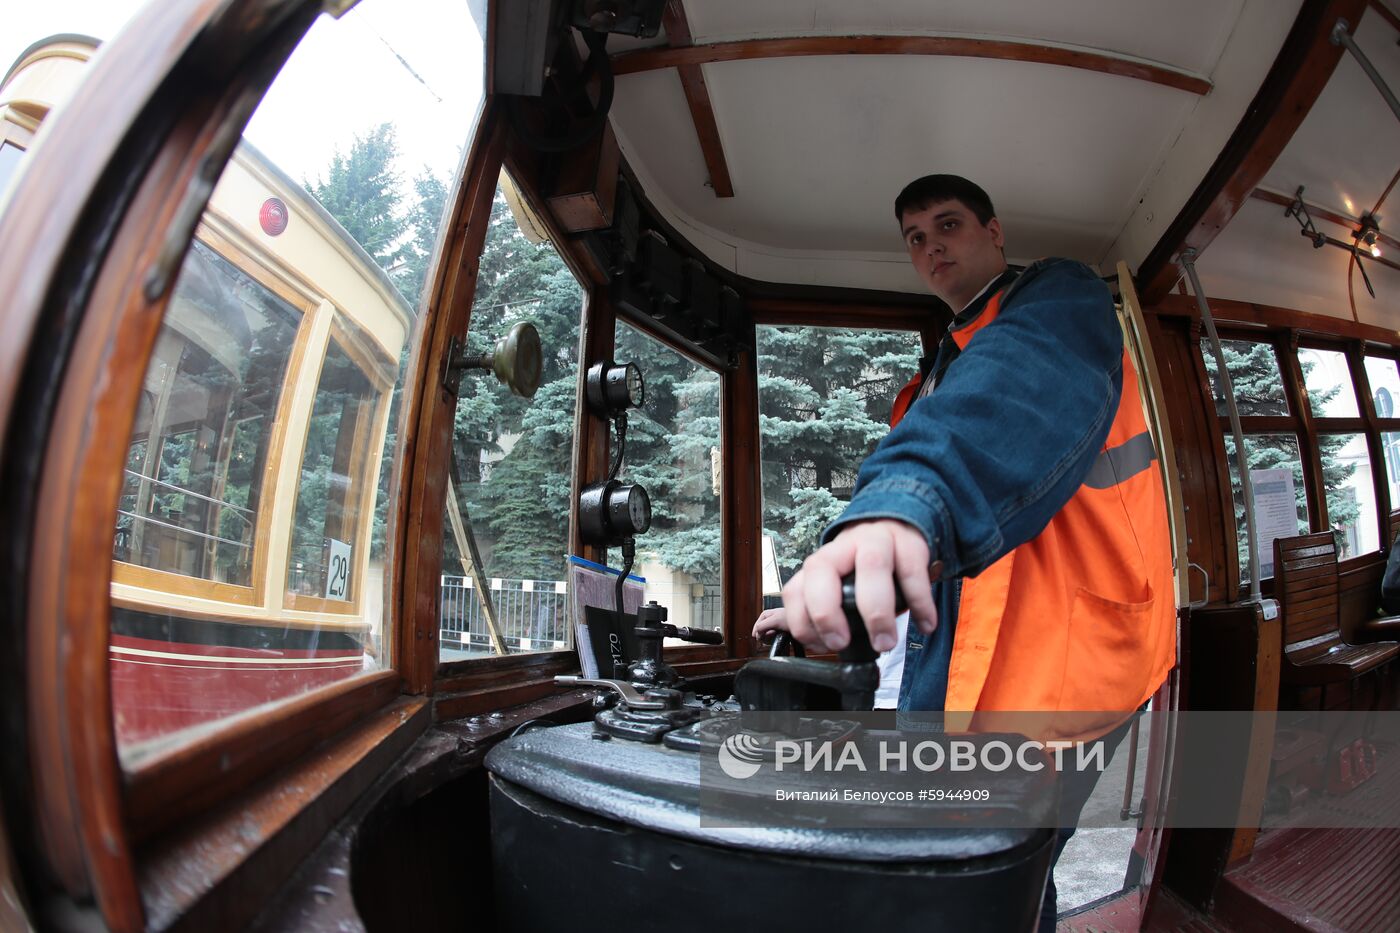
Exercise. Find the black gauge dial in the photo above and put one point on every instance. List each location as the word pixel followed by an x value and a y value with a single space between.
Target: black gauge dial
pixel 614 387
pixel 613 511
pixel 636 388
pixel 638 509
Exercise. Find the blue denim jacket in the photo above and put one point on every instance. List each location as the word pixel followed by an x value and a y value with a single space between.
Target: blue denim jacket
pixel 983 462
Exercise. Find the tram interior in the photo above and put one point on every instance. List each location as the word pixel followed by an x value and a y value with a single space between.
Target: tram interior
pixel 270 264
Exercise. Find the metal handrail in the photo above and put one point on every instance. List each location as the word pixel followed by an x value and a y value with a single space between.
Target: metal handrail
pixel 188 531
pixel 190 492
pixel 1188 262
pixel 1341 35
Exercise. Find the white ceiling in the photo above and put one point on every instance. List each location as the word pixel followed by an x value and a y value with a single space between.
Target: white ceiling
pixel 817 147
pixel 1261 257
pixel 1079 163
pixel 1187 34
pixel 1344 154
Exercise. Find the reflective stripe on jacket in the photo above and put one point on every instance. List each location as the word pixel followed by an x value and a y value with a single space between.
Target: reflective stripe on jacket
pixel 1081 616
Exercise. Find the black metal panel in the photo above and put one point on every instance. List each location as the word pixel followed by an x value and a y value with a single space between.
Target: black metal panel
pixel 560 868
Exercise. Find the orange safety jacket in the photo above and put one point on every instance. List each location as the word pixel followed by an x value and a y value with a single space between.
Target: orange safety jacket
pixel 1080 619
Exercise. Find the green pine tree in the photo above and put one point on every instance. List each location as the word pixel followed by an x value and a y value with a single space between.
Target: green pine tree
pixel 424 217
pixel 825 396
pixel 361 191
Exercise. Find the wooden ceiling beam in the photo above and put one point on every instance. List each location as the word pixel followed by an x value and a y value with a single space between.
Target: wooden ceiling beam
pixel 697 96
pixel 1387 14
pixel 1302 69
pixel 651 59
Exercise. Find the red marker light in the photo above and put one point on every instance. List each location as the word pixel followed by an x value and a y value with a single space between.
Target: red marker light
pixel 273 216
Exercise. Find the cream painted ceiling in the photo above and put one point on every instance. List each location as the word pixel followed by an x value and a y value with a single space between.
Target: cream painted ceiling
pixel 1079 164
pixel 1344 155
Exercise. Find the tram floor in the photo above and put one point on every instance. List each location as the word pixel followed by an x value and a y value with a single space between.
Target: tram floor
pixel 1095 861
pixel 1303 875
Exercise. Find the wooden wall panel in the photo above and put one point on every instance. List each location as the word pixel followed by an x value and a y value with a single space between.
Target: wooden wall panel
pixel 1209 529
pixel 741 497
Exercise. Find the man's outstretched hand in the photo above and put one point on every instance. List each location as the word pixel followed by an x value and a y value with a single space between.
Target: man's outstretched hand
pixel 770 620
pixel 880 552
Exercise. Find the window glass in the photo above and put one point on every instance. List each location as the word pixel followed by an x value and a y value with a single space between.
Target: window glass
pixel 1390 446
pixel 1351 496
pixel 1254 373
pixel 193 484
pixel 10 156
pixel 506 528
pixel 673 451
pixel 252 532
pixel 344 437
pixel 1328 381
pixel 824 397
pixel 1381 373
pixel 1280 498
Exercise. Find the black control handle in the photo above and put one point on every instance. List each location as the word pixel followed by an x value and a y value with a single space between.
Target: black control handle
pixel 700 636
pixel 859 648
pixel 785 644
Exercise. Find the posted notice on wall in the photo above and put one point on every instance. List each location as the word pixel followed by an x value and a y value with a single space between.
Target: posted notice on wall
pixel 1275 512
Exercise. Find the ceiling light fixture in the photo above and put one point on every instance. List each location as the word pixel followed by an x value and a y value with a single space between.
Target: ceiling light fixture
pixel 1369 235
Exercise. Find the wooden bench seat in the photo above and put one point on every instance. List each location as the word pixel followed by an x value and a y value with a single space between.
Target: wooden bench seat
pixel 1305 583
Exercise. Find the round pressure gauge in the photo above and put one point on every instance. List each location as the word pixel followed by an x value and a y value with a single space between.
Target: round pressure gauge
pixel 636 389
pixel 614 387
pixel 613 511
pixel 630 510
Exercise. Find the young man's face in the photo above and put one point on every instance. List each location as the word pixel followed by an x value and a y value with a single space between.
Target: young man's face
pixel 953 253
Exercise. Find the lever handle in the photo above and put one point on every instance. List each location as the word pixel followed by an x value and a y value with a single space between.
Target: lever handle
pixel 785 644
pixel 700 636
pixel 859 648
pixel 630 694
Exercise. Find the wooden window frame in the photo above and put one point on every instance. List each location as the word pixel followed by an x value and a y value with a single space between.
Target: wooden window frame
pixel 728 526
pixel 90 816
pixel 833 317
pixel 363 464
pixel 1286 341
pixel 1363 423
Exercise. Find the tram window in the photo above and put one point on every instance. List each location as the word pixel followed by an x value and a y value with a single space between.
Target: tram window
pixel 251 536
pixel 192 490
pixel 1384 381
pixel 1254 373
pixel 1276 474
pixel 10 156
pixel 506 528
pixel 345 435
pixel 1390 447
pixel 1351 496
pixel 824 396
pixel 1328 379
pixel 673 450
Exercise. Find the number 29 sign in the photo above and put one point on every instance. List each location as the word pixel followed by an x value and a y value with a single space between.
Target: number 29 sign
pixel 338 570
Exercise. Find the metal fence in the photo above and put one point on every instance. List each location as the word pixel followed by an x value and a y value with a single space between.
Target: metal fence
pixel 708 611
pixel 532 614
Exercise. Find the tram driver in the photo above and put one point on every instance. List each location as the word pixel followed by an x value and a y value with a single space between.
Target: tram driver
pixel 1018 504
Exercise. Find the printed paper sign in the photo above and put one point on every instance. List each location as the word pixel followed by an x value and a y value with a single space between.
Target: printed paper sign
pixel 1275 512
